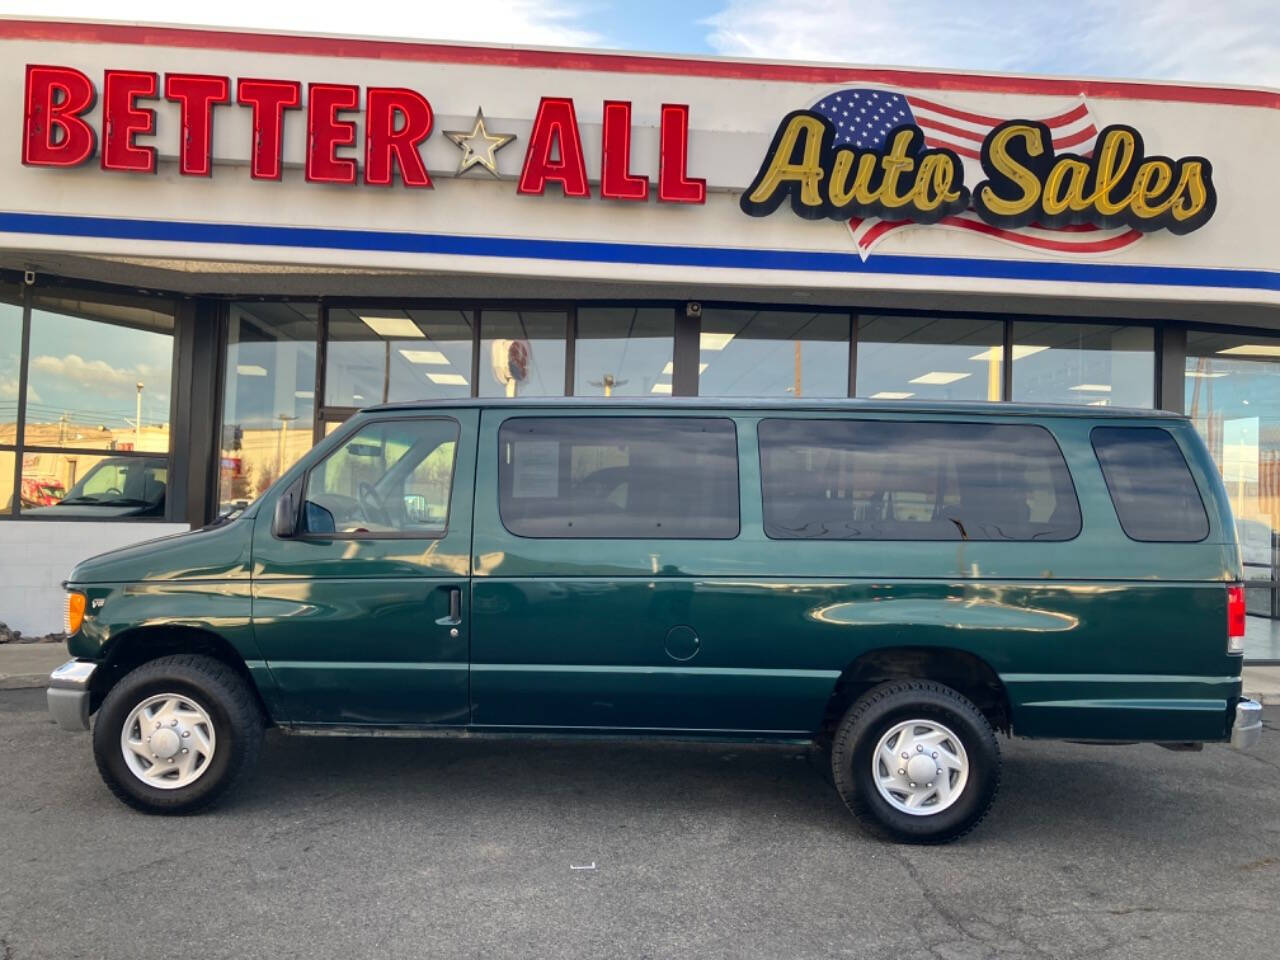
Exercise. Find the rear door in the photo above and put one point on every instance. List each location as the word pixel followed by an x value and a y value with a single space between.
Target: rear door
pixel 363 617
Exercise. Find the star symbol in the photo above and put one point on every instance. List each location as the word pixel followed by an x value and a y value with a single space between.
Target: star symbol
pixel 478 145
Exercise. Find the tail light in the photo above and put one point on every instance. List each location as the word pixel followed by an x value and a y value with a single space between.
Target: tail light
pixel 1235 618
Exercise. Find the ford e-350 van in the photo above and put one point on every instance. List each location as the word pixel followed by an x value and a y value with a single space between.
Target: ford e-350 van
pixel 895 583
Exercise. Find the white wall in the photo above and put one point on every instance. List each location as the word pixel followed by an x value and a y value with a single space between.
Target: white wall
pixel 36 557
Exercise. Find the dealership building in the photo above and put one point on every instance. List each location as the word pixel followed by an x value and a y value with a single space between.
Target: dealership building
pixel 216 246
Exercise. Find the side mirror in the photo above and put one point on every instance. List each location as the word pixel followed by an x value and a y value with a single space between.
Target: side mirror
pixel 319 520
pixel 284 525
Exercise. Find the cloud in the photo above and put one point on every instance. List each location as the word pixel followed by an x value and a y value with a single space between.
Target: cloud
pixel 96 375
pixel 1230 41
pixel 535 22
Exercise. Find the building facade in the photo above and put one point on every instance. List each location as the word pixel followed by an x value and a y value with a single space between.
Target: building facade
pixel 216 246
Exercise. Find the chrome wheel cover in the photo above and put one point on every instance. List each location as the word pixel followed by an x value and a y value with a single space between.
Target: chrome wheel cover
pixel 920 767
pixel 168 741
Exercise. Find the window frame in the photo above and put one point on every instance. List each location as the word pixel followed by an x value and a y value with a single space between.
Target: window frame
pixel 1204 510
pixel 1071 483
pixel 737 472
pixel 340 442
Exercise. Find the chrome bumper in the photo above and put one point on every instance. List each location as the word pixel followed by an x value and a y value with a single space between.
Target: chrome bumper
pixel 1247 730
pixel 68 694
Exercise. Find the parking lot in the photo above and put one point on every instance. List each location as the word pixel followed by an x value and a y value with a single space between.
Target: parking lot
pixel 449 848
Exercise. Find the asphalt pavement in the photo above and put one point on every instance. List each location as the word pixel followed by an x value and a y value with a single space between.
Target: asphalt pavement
pixel 392 848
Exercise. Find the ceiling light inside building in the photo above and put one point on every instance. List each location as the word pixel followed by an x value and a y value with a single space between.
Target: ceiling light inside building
pixel 669 369
pixel 939 378
pixel 1196 374
pixel 1020 350
pixel 425 356
pixel 250 370
pixel 891 395
pixel 1091 388
pixel 448 379
pixel 714 341
pixel 393 328
pixel 660 388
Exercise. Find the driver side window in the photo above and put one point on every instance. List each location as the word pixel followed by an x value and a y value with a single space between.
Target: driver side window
pixel 391 478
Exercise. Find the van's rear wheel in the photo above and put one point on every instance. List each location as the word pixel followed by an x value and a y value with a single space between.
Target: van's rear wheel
pixel 916 762
pixel 175 734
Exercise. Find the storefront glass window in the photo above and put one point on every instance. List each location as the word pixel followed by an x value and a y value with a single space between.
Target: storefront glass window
pixel 623 352
pixel 1097 364
pixel 772 353
pixel 98 393
pixel 268 397
pixel 930 358
pixel 380 355
pixel 10 363
pixel 1232 395
pixel 522 353
pixel 6 480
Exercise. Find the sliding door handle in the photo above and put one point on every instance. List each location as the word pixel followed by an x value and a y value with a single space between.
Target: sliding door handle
pixel 455 604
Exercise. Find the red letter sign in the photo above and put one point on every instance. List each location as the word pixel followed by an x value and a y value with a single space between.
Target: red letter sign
pixel 555 127
pixel 325 132
pixel 54 133
pixel 269 99
pixel 616 180
pixel 197 93
pixel 123 119
pixel 674 185
pixel 384 143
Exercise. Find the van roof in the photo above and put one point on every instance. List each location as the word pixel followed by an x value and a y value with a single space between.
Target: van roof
pixel 842 405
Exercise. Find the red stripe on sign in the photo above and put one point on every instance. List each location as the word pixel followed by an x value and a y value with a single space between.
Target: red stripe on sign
pixel 953 112
pixel 400 50
pixel 1080 136
pixel 1105 245
pixel 931 125
pixel 1071 116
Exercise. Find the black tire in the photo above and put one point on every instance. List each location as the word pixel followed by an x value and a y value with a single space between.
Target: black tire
pixel 872 716
pixel 231 706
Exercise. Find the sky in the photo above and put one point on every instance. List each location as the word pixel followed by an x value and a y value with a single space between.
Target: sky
pixel 1219 41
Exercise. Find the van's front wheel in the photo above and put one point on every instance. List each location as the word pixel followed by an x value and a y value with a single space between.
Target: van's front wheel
pixel 916 761
pixel 176 733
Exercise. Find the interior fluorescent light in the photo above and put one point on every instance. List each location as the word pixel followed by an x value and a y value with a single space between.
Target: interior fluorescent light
pixel 669 369
pixel 448 379
pixel 891 395
pixel 938 378
pixel 660 388
pixel 1092 387
pixel 250 370
pixel 714 341
pixel 305 394
pixel 1020 350
pixel 425 356
pixel 1204 376
pixel 1253 350
pixel 1098 403
pixel 393 328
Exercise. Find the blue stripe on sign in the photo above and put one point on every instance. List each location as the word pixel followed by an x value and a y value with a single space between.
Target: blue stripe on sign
pixel 640 253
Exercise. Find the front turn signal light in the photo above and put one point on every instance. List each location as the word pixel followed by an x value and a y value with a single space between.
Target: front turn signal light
pixel 75 613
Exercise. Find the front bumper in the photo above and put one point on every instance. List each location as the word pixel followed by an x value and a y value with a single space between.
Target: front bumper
pixel 68 694
pixel 1247 729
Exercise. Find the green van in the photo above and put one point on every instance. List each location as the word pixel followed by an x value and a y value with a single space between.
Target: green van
pixel 892 582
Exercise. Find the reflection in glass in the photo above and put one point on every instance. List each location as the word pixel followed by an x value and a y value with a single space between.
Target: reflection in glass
pixel 522 353
pixel 268 406
pixel 1096 364
pixel 929 358
pixel 1232 395
pixel 99 375
pixel 379 355
pixel 75 484
pixel 623 351
pixel 771 353
pixel 6 481
pixel 10 367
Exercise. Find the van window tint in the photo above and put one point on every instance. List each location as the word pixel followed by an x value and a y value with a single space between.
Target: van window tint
pixel 901 480
pixel 392 478
pixel 621 477
pixel 1150 484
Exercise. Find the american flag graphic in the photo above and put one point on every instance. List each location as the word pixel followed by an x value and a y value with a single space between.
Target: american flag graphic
pixel 865 118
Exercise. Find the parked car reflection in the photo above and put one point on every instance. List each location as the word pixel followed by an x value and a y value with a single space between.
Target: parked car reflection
pixel 114 487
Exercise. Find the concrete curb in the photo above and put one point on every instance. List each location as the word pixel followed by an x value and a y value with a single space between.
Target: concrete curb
pixel 27 681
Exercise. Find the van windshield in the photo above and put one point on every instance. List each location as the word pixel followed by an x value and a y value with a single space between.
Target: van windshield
pixel 121 482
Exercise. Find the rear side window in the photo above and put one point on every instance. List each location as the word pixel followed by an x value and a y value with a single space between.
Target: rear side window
pixel 904 480
pixel 619 477
pixel 1151 486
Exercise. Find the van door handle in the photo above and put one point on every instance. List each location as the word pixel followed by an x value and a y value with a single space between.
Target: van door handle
pixel 455 604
